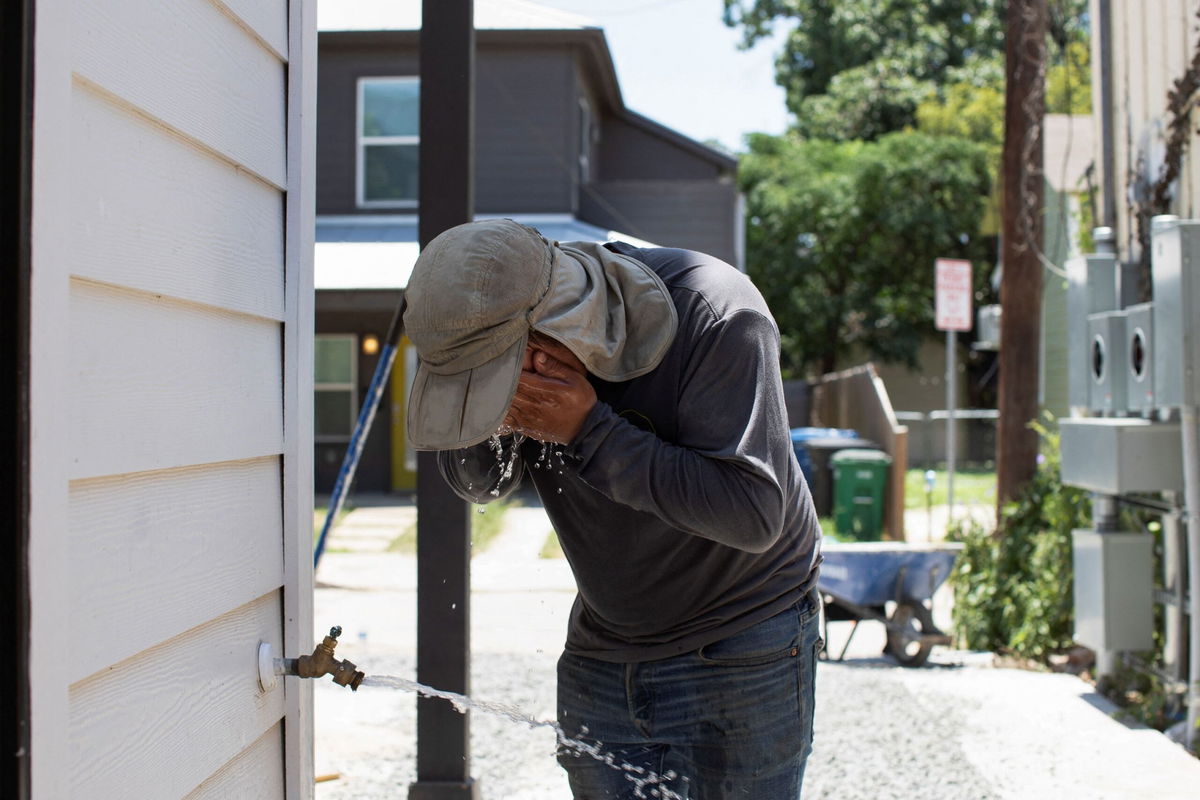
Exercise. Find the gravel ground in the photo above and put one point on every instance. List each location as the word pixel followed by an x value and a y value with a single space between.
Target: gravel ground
pixel 958 728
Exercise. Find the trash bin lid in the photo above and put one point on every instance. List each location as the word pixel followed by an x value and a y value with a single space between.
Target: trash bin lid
pixel 827 443
pixel 860 457
pixel 804 434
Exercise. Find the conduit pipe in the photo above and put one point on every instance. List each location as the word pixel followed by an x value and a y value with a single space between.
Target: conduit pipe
pixel 1191 499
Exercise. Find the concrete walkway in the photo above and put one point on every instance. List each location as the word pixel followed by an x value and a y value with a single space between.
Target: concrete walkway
pixel 960 728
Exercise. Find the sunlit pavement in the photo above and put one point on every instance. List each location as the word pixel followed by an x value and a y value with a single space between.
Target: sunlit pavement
pixel 958 728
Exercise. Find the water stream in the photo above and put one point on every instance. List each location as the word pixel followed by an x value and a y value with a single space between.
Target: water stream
pixel 646 783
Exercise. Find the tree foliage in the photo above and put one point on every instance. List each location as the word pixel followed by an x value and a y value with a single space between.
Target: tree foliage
pixel 875 59
pixel 1069 82
pixel 967 112
pixel 1012 591
pixel 842 236
pixel 856 69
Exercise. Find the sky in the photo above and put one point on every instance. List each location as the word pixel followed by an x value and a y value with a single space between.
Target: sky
pixel 679 65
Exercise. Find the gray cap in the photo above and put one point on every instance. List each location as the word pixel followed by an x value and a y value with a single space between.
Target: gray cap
pixel 478 289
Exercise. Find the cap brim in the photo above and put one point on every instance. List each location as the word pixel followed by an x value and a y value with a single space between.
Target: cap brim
pixel 446 412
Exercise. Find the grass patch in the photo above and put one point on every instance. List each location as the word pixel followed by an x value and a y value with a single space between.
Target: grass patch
pixel 485 527
pixel 552 548
pixel 973 487
pixel 319 513
pixel 828 528
pixel 406 542
pixel 487 522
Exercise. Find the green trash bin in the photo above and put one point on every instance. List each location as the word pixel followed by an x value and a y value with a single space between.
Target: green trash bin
pixel 859 481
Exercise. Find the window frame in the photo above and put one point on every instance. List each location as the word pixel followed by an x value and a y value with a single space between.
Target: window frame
pixel 352 386
pixel 361 142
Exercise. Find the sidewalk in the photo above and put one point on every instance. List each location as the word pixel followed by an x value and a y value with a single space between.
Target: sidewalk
pixel 959 728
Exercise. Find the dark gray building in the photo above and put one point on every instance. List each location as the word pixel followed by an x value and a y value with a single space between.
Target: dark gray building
pixel 556 148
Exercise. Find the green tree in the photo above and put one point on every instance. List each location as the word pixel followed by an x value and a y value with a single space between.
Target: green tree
pixel 856 69
pixel 876 59
pixel 1069 81
pixel 842 236
pixel 967 112
pixel 864 102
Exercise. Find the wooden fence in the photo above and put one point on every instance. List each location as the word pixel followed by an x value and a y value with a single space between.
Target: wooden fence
pixel 856 398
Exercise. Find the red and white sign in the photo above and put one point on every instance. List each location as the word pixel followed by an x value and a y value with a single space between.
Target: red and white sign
pixel 952 308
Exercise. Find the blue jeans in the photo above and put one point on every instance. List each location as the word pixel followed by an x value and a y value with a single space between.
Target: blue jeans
pixel 731 720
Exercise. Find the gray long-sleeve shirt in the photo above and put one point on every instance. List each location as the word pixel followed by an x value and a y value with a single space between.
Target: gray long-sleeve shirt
pixel 680 505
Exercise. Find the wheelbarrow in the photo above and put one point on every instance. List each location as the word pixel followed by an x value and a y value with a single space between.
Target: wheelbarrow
pixel 859 580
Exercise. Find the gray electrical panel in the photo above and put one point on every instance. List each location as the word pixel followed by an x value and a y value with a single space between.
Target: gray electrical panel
pixel 1092 287
pixel 1114 590
pixel 1139 357
pixel 1106 361
pixel 1175 264
pixel 1115 455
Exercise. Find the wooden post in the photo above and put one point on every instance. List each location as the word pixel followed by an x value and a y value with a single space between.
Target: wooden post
pixel 1021 286
pixel 446 196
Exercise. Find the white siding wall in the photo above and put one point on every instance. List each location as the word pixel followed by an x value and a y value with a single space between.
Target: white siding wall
pixel 171 396
pixel 1152 46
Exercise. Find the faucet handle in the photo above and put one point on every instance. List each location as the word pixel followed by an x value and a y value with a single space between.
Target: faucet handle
pixel 335 632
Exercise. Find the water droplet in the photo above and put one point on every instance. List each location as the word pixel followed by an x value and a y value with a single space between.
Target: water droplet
pixel 480 510
pixel 453 606
pixel 560 490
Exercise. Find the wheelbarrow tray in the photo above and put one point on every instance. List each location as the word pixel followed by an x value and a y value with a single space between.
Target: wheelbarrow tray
pixel 875 573
pixel 858 579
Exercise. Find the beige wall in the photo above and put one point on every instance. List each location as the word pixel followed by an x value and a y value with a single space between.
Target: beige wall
pixel 171 311
pixel 1152 45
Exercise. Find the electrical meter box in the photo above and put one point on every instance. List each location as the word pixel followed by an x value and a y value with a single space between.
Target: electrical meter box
pixel 1175 267
pixel 1114 590
pixel 1091 288
pixel 1139 357
pixel 987 328
pixel 1106 361
pixel 1116 455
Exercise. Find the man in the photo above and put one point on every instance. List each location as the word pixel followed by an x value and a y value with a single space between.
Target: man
pixel 639 389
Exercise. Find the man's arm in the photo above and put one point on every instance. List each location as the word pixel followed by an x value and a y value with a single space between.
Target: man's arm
pixel 726 479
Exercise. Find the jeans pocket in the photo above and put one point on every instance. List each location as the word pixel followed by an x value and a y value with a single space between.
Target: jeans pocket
pixel 768 641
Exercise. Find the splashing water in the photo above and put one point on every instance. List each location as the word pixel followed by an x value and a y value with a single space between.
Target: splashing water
pixel 646 783
pixel 505 468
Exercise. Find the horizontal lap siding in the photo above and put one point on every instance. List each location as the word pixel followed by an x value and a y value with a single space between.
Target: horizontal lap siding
pixel 158 383
pixel 256 772
pixel 160 723
pixel 193 67
pixel 155 212
pixel 695 215
pixel 525 131
pixel 156 553
pixel 175 396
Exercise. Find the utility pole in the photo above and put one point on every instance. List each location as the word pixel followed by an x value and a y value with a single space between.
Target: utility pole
pixel 1021 285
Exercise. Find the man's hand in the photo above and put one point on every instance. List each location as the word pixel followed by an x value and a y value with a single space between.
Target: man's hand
pixel 552 400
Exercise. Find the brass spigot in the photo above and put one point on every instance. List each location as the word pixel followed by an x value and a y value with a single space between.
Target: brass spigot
pixel 321 662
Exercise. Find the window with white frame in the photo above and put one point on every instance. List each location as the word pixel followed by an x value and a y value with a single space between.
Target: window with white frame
pixel 335 372
pixel 388 137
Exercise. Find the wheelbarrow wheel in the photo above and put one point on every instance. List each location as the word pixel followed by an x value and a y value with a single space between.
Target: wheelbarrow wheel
pixel 905 628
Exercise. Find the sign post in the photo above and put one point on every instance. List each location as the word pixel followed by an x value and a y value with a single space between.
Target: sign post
pixel 952 313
